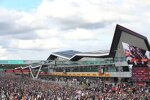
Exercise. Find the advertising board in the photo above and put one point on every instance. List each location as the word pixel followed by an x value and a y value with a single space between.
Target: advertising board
pixel 140 73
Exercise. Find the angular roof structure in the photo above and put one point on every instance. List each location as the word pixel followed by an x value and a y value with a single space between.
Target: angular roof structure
pixel 76 55
pixel 97 54
pixel 64 54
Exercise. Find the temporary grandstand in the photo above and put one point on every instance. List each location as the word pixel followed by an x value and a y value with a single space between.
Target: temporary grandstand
pixel 109 65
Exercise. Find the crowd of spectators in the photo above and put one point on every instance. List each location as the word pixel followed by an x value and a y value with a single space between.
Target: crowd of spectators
pixel 14 87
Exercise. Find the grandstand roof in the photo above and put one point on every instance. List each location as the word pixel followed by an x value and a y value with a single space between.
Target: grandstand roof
pixel 67 54
pixel 64 54
pixel 76 55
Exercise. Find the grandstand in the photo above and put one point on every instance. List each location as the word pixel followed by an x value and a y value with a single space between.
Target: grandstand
pixel 108 65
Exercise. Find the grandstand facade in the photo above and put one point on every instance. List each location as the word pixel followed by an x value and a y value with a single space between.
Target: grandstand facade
pixel 109 65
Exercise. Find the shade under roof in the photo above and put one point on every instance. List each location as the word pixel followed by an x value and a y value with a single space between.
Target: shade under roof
pixel 67 53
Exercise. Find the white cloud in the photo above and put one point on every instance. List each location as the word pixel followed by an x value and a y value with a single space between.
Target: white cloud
pixel 38 44
pixel 56 8
pixel 47 33
pixel 87 11
pixel 3 53
pixel 9 15
pixel 79 34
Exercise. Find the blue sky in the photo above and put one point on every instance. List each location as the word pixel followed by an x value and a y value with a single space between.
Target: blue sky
pixel 32 29
pixel 25 5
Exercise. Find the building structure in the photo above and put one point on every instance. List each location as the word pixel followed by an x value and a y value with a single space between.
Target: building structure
pixel 108 65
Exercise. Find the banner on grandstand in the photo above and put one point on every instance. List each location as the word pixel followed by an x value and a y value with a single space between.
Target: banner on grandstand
pixel 135 56
pixel 140 73
pixel 100 70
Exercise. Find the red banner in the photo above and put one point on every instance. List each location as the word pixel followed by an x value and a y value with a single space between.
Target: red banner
pixel 140 73
pixel 9 71
pixel 16 71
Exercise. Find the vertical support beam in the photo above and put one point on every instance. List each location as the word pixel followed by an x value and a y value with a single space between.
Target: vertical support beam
pixel 36 76
pixel 30 66
pixel 38 71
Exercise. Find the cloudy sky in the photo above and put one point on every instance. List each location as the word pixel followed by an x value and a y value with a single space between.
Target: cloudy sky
pixel 32 29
